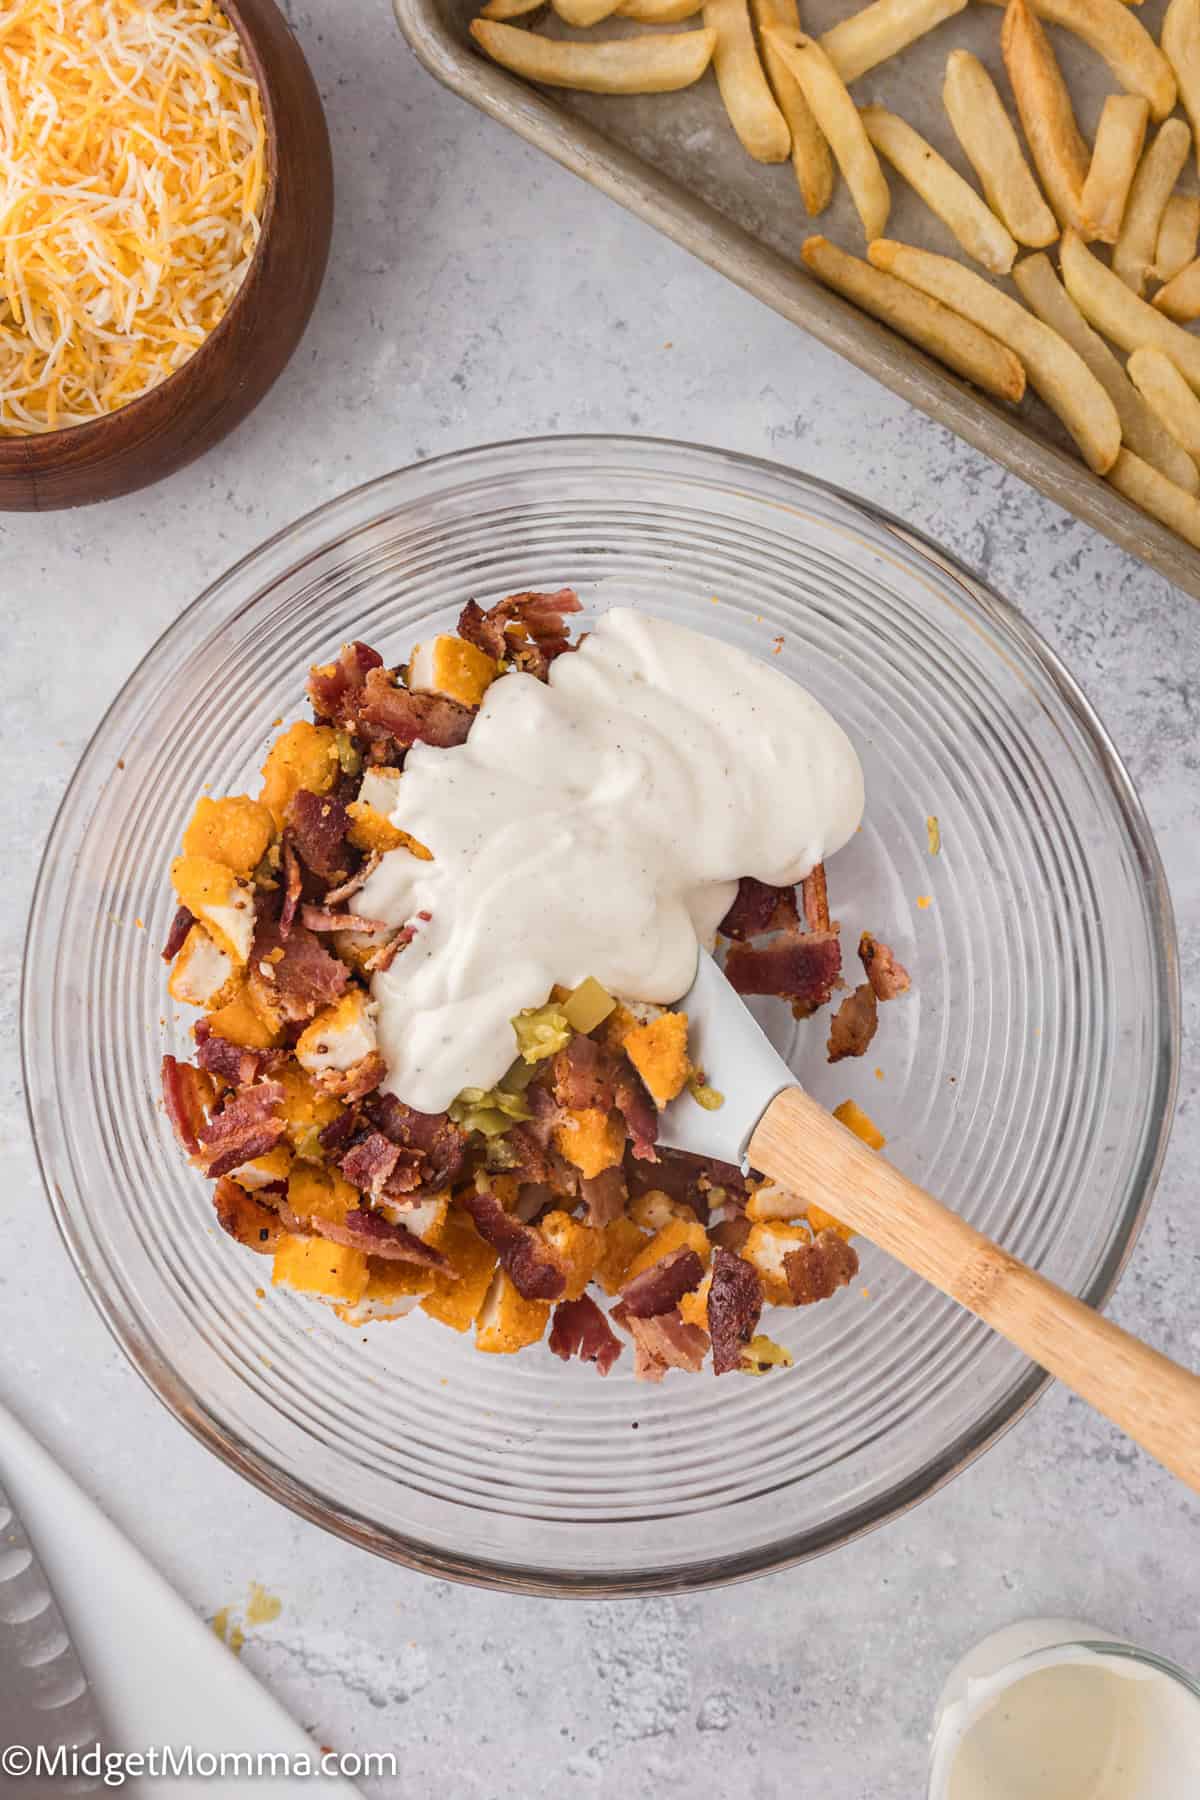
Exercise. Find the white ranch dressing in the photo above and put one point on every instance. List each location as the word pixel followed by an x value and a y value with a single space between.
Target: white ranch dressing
pixel 595 825
pixel 1040 1711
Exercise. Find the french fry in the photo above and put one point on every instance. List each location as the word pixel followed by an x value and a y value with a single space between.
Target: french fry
pixel 1168 395
pixel 955 341
pixel 582 13
pixel 992 148
pixel 508 9
pixel 1047 118
pixel 942 189
pixel 1122 41
pixel 1108 304
pixel 637 65
pixel 1059 374
pixel 747 97
pixel 1180 40
pixel 1045 295
pixel 1171 505
pixel 1178 235
pixel 1180 298
pixel 659 12
pixel 879 31
pixel 837 115
pixel 812 162
pixel 1119 139
pixel 1157 174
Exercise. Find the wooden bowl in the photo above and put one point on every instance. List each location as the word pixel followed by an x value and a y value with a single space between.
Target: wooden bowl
pixel 235 365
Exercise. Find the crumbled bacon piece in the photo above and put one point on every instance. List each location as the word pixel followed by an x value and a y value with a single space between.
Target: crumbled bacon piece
pixel 354 1083
pixel 802 968
pixel 759 908
pixel 303 978
pixel 367 1165
pixel 585 1075
pixel 726 1176
pixel 661 1287
pixel 484 629
pixel 661 1343
pixel 319 823
pixel 382 959
pixel 526 1152
pixel 886 976
pixel 337 1134
pixel 817 1270
pixel 687 1178
pixel 735 1302
pixel 256 1102
pixel 731 1233
pixel 333 690
pixel 815 896
pixel 243 1128
pixel 534 1199
pixel 322 919
pixel 563 1177
pixel 293 883
pixel 526 1156
pixel 407 1182
pixel 853 1024
pixel 438 1139
pixel 388 711
pixel 580 1329
pixel 546 1110
pixel 527 629
pixel 338 895
pixel 187 1095
pixel 232 1062
pixel 377 1236
pixel 639 1113
pixel 181 924
pixel 246 1218
pixel 604 1195
pixel 524 1256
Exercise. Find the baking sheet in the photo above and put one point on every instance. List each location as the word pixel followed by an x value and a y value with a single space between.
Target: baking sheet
pixel 674 160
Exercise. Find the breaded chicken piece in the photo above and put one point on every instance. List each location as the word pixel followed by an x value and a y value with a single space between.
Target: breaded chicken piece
pixel 452 667
pixel 305 756
pixel 590 1138
pixel 236 831
pixel 507 1321
pixel 766 1247
pixel 312 1265
pixel 577 1248
pixel 658 1051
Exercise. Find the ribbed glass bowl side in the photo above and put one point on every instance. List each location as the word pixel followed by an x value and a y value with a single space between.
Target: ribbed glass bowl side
pixel 1028 1078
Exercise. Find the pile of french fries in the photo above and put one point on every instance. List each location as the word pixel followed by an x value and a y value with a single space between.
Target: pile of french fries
pixel 788 95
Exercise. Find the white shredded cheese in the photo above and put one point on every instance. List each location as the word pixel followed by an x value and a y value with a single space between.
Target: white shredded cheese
pixel 132 175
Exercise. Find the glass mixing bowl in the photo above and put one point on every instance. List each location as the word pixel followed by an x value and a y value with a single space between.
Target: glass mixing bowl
pixel 1027 1079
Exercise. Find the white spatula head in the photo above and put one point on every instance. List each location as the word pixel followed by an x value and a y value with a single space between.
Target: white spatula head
pixel 738 1059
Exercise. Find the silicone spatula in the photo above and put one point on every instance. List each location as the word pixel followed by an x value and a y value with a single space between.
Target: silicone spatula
pixel 781 1131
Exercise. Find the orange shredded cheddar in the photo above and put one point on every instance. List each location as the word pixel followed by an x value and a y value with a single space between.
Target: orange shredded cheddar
pixel 852 1116
pixel 134 158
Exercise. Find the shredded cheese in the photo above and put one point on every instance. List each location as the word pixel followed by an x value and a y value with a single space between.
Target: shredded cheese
pixel 132 176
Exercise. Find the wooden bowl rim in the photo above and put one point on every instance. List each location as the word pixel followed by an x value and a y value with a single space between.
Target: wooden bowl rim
pixel 69 435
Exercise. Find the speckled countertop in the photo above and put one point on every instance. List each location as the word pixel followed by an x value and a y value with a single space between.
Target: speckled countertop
pixel 477 292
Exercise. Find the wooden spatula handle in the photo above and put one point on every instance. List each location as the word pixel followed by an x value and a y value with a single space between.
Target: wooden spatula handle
pixel 1156 1401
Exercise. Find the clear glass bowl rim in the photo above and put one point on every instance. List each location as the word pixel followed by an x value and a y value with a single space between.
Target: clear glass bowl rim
pixel 338 521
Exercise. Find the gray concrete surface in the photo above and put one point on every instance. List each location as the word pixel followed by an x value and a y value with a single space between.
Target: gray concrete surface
pixel 477 292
